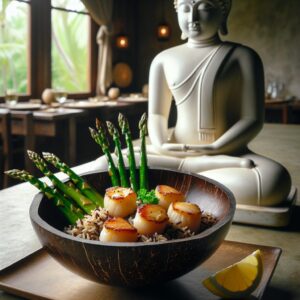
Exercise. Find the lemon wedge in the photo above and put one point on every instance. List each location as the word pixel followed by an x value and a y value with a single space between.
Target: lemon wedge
pixel 238 280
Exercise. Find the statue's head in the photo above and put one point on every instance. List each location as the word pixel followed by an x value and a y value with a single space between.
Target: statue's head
pixel 202 18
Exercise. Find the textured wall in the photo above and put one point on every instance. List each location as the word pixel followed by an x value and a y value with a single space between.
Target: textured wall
pixel 271 27
pixel 150 14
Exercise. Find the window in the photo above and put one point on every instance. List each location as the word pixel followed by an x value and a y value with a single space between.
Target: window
pixel 69 46
pixel 45 44
pixel 14 46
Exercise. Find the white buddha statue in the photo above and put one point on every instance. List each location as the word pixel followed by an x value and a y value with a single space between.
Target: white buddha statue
pixel 218 88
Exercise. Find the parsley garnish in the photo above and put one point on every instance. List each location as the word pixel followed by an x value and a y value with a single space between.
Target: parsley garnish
pixel 147 197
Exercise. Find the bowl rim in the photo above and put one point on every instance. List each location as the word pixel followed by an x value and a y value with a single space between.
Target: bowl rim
pixel 34 216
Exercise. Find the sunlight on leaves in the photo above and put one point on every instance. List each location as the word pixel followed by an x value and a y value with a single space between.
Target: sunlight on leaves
pixel 70 32
pixel 14 30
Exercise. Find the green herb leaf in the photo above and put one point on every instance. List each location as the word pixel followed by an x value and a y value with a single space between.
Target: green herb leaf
pixel 147 197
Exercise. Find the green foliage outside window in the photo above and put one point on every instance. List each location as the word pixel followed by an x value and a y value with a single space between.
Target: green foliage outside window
pixel 13 46
pixel 69 48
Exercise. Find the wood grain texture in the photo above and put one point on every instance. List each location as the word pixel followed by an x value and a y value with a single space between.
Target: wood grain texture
pixel 5 146
pixel 39 276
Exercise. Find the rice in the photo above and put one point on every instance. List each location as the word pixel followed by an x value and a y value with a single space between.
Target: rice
pixel 154 238
pixel 91 225
pixel 207 220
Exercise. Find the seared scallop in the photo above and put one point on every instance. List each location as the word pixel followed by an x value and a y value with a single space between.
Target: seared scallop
pixel 150 218
pixel 118 230
pixel 167 195
pixel 120 201
pixel 185 214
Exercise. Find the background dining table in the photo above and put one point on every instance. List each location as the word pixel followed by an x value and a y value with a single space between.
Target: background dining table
pixel 279 142
pixel 69 122
pixel 50 122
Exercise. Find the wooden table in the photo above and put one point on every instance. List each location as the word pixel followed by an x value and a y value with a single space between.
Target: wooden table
pixel 73 124
pixel 107 111
pixel 49 123
pixel 280 142
pixel 287 110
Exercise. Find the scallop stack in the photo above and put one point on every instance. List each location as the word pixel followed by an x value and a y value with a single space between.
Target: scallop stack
pixel 147 219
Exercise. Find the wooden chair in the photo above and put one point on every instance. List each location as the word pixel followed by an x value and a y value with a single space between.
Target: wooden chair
pixel 24 121
pixel 5 146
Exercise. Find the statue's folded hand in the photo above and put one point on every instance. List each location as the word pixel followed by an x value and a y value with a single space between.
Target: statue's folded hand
pixel 175 147
pixel 207 150
pixel 201 148
pixel 188 147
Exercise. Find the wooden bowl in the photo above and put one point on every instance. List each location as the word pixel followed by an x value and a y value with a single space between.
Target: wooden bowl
pixel 138 264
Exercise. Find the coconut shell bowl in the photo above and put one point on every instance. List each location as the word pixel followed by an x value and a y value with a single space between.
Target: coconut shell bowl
pixel 138 264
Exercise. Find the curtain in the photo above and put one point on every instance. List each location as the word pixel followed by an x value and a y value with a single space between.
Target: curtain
pixel 101 12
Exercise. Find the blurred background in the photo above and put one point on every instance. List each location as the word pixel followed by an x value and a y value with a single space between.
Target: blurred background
pixel 59 55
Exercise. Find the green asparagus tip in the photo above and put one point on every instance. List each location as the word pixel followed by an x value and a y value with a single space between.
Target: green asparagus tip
pixel 50 156
pixel 17 174
pixel 93 132
pixel 38 161
pixel 143 121
pixel 12 172
pixel 23 172
pixel 99 124
pixel 120 118
pixel 112 129
pixel 34 156
pixel 31 154
pixel 143 125
pixel 101 128
pixel 123 123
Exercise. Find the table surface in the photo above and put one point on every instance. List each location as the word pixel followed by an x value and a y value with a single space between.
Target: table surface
pixel 279 142
pixel 76 108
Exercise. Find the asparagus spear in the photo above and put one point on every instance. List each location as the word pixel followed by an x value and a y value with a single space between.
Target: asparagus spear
pixel 71 212
pixel 83 202
pixel 124 125
pixel 80 183
pixel 103 136
pixel 100 138
pixel 144 184
pixel 113 131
